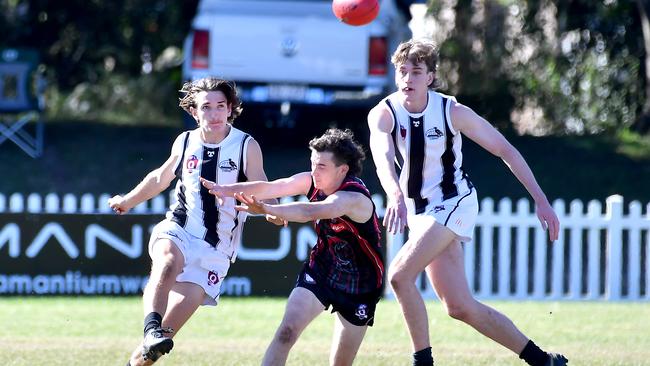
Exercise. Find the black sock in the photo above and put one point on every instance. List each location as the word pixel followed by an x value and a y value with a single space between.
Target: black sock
pixel 533 355
pixel 152 320
pixel 128 363
pixel 423 357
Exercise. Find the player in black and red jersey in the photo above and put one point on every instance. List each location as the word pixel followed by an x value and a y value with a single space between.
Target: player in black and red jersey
pixel 345 269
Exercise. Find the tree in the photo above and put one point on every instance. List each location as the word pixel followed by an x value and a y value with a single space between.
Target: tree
pixel 548 66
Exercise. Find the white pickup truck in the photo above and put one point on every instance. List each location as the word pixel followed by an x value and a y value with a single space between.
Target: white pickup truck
pixel 295 51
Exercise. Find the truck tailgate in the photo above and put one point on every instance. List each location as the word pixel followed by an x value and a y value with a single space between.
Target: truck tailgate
pixel 317 50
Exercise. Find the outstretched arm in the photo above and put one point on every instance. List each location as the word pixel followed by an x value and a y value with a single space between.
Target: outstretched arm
pixel 380 123
pixel 352 204
pixel 290 186
pixel 483 133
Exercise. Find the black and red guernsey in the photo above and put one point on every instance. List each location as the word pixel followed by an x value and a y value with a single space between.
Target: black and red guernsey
pixel 347 256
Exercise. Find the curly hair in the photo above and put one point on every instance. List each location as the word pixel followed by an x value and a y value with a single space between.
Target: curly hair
pixel 343 146
pixel 228 88
pixel 416 51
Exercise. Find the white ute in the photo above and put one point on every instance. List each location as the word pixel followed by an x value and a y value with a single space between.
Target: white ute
pixel 295 51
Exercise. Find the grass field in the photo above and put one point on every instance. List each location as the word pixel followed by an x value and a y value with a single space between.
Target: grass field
pixel 103 331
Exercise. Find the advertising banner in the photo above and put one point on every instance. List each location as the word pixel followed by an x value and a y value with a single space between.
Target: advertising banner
pixel 100 254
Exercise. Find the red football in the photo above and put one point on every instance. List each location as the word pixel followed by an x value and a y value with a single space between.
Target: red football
pixel 355 12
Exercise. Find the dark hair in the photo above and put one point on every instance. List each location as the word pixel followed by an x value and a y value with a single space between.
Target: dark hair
pixel 416 51
pixel 228 88
pixel 343 146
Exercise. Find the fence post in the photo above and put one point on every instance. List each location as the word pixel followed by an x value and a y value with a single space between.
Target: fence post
pixel 16 203
pixel 575 250
pixel 69 203
pixel 647 254
pixel 487 208
pixel 539 279
pixel 557 281
pixel 594 213
pixel 523 212
pixel 634 253
pixel 505 212
pixel 613 217
pixel 34 203
pixel 52 203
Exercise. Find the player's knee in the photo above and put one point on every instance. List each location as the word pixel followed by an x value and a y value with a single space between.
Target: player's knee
pixel 397 279
pixel 287 334
pixel 458 311
pixel 168 265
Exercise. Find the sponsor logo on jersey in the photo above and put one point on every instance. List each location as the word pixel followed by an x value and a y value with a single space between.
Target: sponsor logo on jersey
pixel 172 234
pixel 227 165
pixel 338 227
pixel 402 132
pixel 213 278
pixel 434 133
pixel 191 163
pixel 362 312
pixel 438 209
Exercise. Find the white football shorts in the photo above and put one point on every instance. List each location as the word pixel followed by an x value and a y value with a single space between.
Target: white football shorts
pixel 204 265
pixel 458 214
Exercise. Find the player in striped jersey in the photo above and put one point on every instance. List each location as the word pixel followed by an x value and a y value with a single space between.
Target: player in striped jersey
pixel 345 269
pixel 191 250
pixel 420 130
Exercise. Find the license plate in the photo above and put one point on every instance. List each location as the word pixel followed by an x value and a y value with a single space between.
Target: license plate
pixel 287 92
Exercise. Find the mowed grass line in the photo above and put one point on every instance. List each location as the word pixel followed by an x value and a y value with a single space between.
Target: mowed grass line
pixel 103 331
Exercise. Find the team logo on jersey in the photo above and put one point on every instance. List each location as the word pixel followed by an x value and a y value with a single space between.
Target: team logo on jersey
pixel 308 279
pixel 213 278
pixel 402 131
pixel 438 209
pixel 210 153
pixel 227 165
pixel 362 312
pixel 416 123
pixel 191 163
pixel 434 133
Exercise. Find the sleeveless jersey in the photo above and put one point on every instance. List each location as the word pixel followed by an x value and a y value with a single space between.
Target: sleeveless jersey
pixel 427 152
pixel 347 255
pixel 196 210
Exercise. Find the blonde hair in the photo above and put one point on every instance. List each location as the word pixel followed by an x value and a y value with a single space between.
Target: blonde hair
pixel 416 51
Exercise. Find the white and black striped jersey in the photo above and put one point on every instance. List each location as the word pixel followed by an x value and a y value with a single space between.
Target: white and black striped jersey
pixel 196 210
pixel 427 152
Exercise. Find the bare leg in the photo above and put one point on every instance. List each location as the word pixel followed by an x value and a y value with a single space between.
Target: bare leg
pixel 346 341
pixel 302 308
pixel 426 241
pixel 184 299
pixel 167 263
pixel 447 274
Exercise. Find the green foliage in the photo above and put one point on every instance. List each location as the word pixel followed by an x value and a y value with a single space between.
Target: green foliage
pixel 144 100
pixel 113 61
pixel 550 66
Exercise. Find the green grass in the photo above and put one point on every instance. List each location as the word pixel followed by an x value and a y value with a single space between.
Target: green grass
pixel 103 331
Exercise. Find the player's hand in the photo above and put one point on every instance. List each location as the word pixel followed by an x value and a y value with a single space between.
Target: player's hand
pixel 395 215
pixel 118 204
pixel 548 219
pixel 251 204
pixel 276 220
pixel 214 189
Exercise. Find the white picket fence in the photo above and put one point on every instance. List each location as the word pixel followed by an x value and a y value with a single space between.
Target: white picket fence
pixel 600 255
